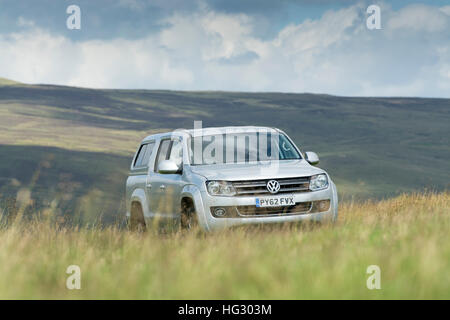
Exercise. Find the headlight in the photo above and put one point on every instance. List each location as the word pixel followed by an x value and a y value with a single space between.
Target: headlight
pixel 220 188
pixel 318 182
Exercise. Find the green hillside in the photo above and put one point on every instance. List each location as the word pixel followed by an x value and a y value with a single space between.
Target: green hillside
pixel 71 147
pixel 8 82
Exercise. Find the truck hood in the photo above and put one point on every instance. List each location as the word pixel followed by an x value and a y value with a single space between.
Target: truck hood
pixel 256 171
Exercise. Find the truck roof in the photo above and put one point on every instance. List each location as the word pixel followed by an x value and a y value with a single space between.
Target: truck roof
pixel 212 131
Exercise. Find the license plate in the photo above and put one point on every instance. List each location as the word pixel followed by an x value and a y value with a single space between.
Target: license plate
pixel 279 201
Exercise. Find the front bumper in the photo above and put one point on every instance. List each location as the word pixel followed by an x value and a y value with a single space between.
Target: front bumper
pixel 211 223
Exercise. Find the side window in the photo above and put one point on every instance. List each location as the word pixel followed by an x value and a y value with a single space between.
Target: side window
pixel 147 154
pixel 176 152
pixel 144 155
pixel 162 153
pixel 140 155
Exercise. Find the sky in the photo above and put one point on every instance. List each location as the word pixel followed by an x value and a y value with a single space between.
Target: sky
pixel 319 46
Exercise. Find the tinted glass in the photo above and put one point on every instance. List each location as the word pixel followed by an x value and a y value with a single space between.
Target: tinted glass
pixel 147 154
pixel 162 153
pixel 144 155
pixel 140 155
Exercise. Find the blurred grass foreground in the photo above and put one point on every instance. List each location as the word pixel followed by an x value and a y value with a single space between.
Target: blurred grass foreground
pixel 407 237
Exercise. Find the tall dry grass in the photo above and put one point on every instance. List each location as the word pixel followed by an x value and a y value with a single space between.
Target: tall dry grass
pixel 407 237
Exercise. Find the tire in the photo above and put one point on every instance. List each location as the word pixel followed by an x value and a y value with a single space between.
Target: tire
pixel 188 219
pixel 136 222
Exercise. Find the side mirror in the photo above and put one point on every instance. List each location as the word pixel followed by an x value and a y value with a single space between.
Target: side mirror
pixel 312 157
pixel 168 167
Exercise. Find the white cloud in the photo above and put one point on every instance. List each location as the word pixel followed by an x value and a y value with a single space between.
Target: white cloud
pixel 419 18
pixel 207 50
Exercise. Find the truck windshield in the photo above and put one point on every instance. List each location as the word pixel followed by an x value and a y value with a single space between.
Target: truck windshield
pixel 241 148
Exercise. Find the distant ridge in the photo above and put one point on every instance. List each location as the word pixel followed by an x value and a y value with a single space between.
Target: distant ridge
pixel 8 82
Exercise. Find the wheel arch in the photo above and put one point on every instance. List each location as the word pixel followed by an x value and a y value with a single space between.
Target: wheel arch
pixel 139 196
pixel 192 192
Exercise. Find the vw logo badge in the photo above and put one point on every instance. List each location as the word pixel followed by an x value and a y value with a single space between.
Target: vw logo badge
pixel 273 186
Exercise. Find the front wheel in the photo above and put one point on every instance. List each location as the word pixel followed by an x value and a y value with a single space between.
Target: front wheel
pixel 136 222
pixel 188 216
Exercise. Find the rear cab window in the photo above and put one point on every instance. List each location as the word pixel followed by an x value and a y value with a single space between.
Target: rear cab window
pixel 143 156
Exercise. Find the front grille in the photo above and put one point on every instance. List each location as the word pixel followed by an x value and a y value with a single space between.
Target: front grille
pixel 299 208
pixel 258 187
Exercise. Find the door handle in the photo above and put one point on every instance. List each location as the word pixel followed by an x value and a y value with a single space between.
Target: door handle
pixel 149 185
pixel 162 187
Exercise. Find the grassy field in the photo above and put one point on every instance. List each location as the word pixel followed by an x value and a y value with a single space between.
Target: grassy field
pixel 407 237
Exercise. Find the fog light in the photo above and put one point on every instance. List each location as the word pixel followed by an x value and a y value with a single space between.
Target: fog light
pixel 220 212
pixel 324 205
pixel 321 206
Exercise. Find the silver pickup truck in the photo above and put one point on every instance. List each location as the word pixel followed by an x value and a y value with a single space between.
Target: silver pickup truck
pixel 220 177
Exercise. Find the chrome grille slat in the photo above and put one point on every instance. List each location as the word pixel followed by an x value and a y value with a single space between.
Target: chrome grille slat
pixel 294 189
pixel 246 192
pixel 250 185
pixel 284 183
